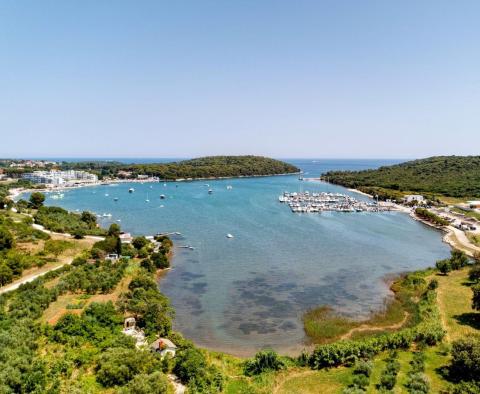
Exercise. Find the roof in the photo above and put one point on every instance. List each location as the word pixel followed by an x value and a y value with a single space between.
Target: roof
pixel 167 342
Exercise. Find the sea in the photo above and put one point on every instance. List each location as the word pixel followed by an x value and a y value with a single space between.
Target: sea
pixel 250 292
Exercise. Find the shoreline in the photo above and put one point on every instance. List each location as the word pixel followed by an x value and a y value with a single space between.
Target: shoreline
pixel 242 351
pixel 17 192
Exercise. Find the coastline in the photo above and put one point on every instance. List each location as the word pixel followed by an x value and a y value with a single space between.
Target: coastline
pixel 293 349
pixel 17 192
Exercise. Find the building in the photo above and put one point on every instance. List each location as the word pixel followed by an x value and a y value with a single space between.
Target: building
pixel 164 346
pixel 413 197
pixel 60 178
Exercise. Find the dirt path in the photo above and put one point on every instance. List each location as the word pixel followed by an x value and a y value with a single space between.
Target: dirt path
pixel 367 327
pixel 179 387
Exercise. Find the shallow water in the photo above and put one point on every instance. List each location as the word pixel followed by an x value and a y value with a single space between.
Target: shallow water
pixel 249 292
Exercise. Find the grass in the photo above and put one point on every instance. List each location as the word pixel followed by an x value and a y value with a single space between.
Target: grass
pixel 302 381
pixel 466 212
pixel 454 300
pixel 473 238
pixel 323 325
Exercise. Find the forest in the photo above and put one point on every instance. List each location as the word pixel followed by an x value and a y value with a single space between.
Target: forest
pixel 452 176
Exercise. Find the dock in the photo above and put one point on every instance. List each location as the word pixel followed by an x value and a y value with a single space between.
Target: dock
pixel 306 202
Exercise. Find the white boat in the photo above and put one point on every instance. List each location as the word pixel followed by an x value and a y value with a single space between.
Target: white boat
pixel 229 235
pixel 229 187
pixel 118 220
pixel 162 196
pixel 115 199
pixel 147 199
pixel 165 184
pixel 107 215
pixel 131 190
pixel 161 206
pixel 210 191
pixel 106 194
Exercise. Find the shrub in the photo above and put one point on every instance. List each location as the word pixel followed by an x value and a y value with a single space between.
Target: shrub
pixel 433 285
pixel 6 239
pixel 363 368
pixel 474 274
pixel 263 361
pixel 465 359
pixel 154 383
pixel 443 266
pixel 417 383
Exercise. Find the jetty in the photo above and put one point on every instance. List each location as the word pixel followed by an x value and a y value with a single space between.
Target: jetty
pixel 337 202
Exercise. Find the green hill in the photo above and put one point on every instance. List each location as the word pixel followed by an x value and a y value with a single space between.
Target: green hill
pixel 204 167
pixel 453 176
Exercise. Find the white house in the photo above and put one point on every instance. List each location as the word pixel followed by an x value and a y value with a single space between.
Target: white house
pixel 413 197
pixel 164 346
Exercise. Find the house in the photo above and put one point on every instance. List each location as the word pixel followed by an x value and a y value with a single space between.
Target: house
pixel 409 198
pixel 164 346
pixel 125 238
pixel 112 257
pixel 130 329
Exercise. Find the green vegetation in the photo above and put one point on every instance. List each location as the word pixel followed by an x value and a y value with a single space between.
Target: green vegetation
pixel 457 260
pixel 205 167
pixel 430 216
pixel 453 176
pixel 60 220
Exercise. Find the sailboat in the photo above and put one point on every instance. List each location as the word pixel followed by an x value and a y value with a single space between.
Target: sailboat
pixel 147 200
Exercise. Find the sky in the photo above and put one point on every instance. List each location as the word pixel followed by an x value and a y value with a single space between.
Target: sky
pixel 313 79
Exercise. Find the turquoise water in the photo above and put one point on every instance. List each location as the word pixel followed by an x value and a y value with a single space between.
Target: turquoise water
pixel 249 292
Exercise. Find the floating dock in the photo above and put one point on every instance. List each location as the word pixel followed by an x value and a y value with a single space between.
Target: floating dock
pixel 320 202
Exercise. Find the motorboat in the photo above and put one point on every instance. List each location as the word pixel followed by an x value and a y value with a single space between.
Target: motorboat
pixel 131 190
pixel 229 235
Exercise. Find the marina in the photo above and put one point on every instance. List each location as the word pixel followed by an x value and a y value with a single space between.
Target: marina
pixel 306 202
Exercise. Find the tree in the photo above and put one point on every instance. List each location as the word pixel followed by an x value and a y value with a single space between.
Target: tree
pixel 466 359
pixel 37 199
pixel 139 242
pixel 6 274
pixel 114 230
pixel 474 274
pixel 89 218
pixel 476 297
pixel 155 383
pixel 444 266
pixel 458 259
pixel 6 239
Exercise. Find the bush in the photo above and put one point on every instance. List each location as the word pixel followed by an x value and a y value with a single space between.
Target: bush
pixel 417 383
pixel 433 285
pixel 363 368
pixel 192 369
pixel 443 266
pixel 6 239
pixel 474 274
pixel 465 359
pixel 154 383
pixel 263 361
pixel 118 366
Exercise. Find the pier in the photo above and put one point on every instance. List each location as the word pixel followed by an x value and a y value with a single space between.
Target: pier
pixel 337 202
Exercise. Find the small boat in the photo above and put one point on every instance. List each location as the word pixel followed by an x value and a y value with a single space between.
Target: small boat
pixel 131 190
pixel 118 220
pixel 165 184
pixel 115 199
pixel 229 187
pixel 229 235
pixel 106 194
pixel 161 206
pixel 210 191
pixel 107 215
pixel 162 196
pixel 147 199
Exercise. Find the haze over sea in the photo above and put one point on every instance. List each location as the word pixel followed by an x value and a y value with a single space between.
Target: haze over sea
pixel 249 292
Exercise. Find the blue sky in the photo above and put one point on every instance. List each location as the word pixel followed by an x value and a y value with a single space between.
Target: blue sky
pixel 278 78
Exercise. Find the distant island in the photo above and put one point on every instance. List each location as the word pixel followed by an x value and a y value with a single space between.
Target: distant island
pixel 203 167
pixel 450 176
